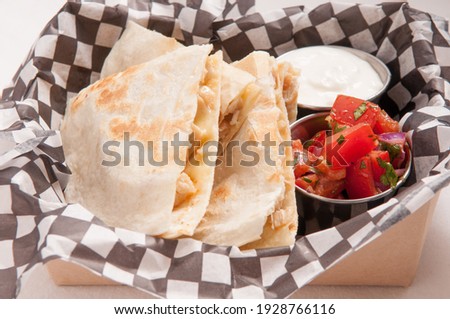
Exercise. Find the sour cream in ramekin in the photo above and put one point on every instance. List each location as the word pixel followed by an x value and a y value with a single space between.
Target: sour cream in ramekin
pixel 326 71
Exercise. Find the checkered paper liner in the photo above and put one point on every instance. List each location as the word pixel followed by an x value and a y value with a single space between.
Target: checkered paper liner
pixel 37 225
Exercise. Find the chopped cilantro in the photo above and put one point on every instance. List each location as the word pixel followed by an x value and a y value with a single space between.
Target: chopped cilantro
pixel 359 111
pixel 362 165
pixel 340 139
pixel 307 180
pixel 308 143
pixel 338 128
pixel 394 150
pixel 389 178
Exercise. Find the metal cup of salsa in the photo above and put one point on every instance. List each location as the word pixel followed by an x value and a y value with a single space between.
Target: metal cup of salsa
pixel 319 212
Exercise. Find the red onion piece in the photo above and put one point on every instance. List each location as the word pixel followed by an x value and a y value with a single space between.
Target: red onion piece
pixel 392 138
pixel 400 171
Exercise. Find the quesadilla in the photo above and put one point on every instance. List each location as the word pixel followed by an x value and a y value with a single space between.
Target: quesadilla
pixel 253 202
pixel 254 207
pixel 150 106
pixel 153 89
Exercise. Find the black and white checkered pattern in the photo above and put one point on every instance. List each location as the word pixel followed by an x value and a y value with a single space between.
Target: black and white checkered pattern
pixel 36 225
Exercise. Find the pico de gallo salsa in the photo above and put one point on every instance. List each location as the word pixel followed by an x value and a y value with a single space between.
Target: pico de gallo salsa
pixel 361 155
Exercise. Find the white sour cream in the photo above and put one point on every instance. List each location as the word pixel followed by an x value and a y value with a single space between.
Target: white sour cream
pixel 326 72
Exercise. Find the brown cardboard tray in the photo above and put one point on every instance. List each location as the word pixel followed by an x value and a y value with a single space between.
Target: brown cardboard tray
pixel 389 260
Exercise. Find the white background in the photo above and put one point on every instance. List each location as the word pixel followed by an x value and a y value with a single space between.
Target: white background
pixel 20 24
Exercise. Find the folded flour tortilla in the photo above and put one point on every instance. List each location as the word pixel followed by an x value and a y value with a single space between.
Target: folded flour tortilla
pixel 261 197
pixel 252 204
pixel 172 95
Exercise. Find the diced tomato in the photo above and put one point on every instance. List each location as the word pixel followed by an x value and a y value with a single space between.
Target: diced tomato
pixel 359 179
pixel 301 169
pixel 377 170
pixel 337 127
pixel 344 148
pixel 320 136
pixel 340 196
pixel 331 174
pixel 316 143
pixel 297 146
pixel 385 124
pixel 329 188
pixel 351 111
pixel 307 182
